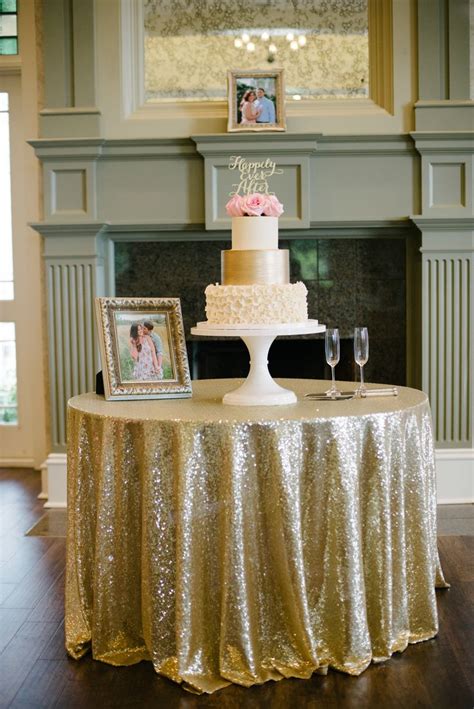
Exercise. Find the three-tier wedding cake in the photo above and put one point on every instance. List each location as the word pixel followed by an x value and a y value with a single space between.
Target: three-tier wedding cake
pixel 255 273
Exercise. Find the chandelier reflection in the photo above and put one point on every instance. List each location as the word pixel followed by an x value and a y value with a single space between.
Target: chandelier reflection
pixel 277 40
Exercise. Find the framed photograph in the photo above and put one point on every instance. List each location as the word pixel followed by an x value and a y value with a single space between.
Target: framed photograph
pixel 143 349
pixel 256 100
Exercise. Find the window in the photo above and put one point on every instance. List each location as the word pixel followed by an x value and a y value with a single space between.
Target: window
pixel 8 27
pixel 8 396
pixel 6 258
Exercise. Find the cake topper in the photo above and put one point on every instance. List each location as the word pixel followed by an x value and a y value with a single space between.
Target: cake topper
pixel 254 175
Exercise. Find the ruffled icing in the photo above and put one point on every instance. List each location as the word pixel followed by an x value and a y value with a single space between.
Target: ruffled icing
pixel 257 304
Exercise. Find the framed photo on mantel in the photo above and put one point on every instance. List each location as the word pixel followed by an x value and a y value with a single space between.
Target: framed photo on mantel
pixel 256 100
pixel 143 348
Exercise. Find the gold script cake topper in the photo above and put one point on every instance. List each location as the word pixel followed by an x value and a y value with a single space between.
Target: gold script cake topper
pixel 254 175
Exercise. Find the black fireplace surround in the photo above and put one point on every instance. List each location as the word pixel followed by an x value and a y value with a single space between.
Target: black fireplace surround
pixel 351 282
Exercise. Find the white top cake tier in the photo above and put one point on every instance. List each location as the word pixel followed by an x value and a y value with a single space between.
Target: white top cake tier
pixel 258 233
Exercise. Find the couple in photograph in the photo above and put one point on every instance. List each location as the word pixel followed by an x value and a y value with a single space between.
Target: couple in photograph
pixel 256 107
pixel 146 350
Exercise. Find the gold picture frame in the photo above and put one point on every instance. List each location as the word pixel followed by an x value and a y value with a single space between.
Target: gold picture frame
pixel 143 348
pixel 265 111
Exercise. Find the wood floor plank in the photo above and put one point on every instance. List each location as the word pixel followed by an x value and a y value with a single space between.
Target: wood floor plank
pixel 5 590
pixel 44 685
pixel 17 518
pixel 11 621
pixel 25 558
pixel 51 606
pixel 456 622
pixel 457 557
pixel 55 648
pixel 19 656
pixel 41 577
pixel 101 685
pixel 9 545
pixel 19 500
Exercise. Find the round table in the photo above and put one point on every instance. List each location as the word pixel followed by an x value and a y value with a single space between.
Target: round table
pixel 232 544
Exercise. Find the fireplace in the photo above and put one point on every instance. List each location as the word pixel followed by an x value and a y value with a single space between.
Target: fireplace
pixel 350 282
pixel 301 357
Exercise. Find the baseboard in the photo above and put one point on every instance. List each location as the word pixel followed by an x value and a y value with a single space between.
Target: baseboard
pixel 44 482
pixel 455 475
pixel 54 480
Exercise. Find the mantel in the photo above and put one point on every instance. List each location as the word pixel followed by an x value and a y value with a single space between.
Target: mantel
pixel 261 144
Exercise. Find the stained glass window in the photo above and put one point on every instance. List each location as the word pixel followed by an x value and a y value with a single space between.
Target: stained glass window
pixel 8 27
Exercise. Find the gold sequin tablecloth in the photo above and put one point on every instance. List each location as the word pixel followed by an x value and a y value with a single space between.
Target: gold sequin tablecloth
pixel 234 544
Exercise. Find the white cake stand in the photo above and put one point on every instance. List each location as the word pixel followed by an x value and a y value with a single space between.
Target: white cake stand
pixel 259 389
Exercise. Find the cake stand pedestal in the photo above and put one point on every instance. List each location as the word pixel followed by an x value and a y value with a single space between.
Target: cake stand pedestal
pixel 259 389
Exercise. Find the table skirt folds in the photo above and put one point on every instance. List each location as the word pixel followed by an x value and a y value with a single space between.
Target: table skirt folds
pixel 242 552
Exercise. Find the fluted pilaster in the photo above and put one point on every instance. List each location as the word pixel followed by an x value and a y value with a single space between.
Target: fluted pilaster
pixel 448 331
pixel 75 275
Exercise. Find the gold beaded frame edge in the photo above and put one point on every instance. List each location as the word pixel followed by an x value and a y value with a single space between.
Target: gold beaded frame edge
pixel 114 387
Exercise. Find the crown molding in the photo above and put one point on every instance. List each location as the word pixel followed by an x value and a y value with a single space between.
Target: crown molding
pixel 69 229
pixel 10 65
pixel 105 149
pixel 451 142
pixel 443 223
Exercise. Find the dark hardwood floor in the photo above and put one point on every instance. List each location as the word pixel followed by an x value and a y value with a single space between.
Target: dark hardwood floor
pixel 35 671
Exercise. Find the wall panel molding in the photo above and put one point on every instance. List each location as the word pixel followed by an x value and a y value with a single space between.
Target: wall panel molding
pixel 443 37
pixel 380 145
pixel 124 110
pixel 446 115
pixel 381 53
pixel 447 165
pixel 290 152
pixel 70 190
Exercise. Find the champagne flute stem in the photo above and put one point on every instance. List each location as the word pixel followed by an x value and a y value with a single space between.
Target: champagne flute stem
pixel 362 385
pixel 333 374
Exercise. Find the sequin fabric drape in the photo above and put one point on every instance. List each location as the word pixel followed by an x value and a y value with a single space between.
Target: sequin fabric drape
pixel 232 544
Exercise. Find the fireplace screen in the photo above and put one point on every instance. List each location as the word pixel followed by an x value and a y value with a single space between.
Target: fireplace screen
pixel 350 282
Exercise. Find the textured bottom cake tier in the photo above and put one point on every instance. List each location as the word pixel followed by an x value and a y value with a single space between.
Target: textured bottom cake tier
pixel 257 304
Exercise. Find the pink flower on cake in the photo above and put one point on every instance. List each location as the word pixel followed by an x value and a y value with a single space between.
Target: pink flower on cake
pixel 234 206
pixel 254 205
pixel 274 208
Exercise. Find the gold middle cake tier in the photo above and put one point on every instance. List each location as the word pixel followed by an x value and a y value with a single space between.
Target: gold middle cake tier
pixel 243 268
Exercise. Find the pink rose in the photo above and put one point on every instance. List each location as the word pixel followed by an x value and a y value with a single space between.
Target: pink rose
pixel 274 208
pixel 254 205
pixel 234 206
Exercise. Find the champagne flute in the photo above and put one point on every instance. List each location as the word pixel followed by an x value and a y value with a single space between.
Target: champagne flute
pixel 361 354
pixel 333 354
